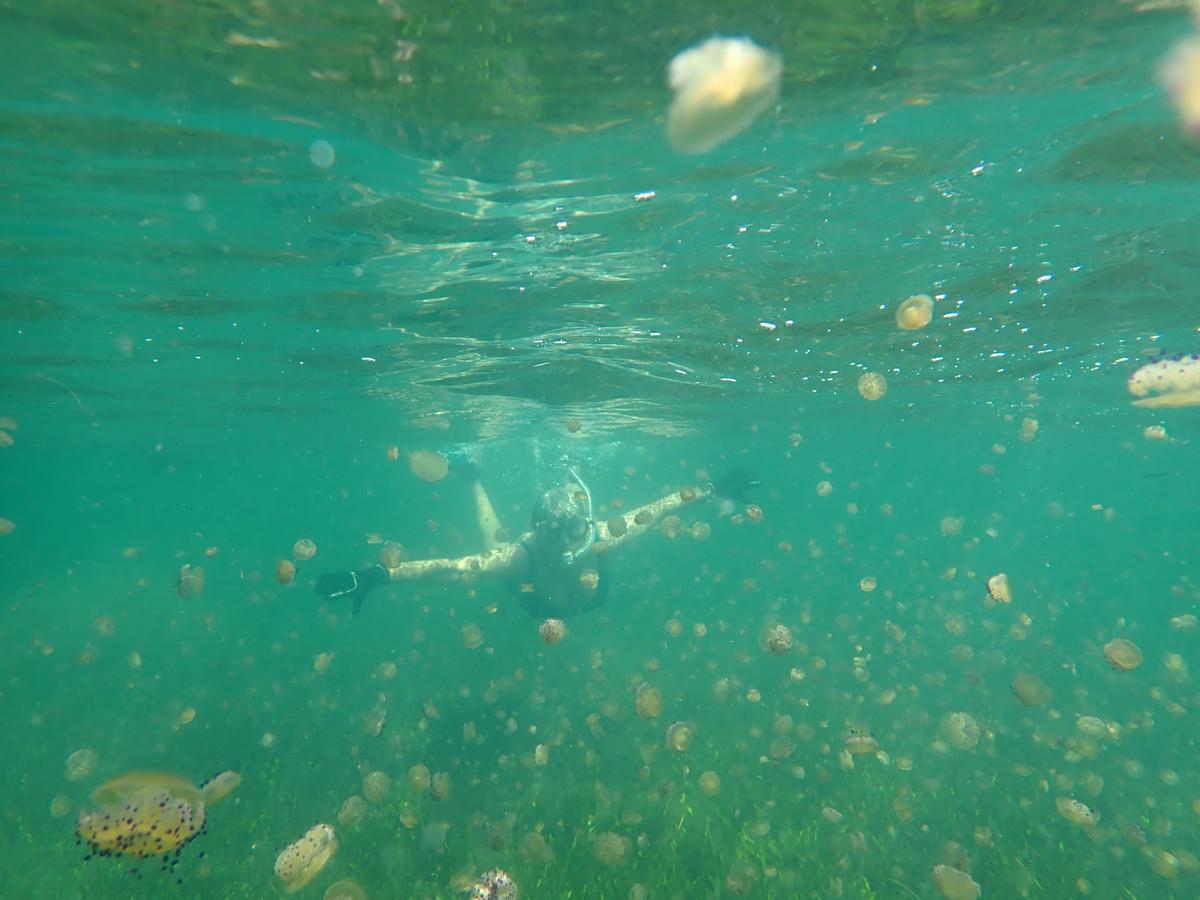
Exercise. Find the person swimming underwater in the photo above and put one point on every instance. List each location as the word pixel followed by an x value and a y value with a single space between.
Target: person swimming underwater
pixel 558 568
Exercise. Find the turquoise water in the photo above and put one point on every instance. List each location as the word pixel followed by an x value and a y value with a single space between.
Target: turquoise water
pixel 213 338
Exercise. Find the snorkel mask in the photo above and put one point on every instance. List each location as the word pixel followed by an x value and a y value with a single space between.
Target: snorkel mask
pixel 563 520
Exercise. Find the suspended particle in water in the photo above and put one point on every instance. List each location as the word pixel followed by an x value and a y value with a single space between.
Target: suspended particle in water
pixel 872 385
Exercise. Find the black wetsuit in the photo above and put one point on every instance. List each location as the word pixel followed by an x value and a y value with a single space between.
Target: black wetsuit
pixel 583 599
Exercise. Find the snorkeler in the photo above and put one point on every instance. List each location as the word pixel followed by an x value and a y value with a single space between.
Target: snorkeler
pixel 558 567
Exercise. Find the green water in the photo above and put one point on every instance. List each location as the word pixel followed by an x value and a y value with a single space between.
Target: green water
pixel 210 341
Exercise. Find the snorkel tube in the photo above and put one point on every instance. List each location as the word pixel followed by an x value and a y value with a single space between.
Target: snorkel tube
pixel 571 556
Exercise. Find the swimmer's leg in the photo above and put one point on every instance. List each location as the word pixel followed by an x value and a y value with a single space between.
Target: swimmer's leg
pixel 489 523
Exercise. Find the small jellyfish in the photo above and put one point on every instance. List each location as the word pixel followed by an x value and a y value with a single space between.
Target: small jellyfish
pixel 304 549
pixel 617 526
pixel 81 764
pixel 1122 655
pixel 376 786
pixel 299 863
pixel 553 630
pixel 872 385
pixel 776 639
pixel 1079 813
pixel 610 848
pixel 649 703
pixel 472 636
pixel 954 884
pixel 321 663
pixel 439 785
pixel 419 778
pixel 345 890
pixel 643 517
pixel 671 526
pixel 915 312
pixel 285 571
pixel 998 589
pixel 960 730
pixel 494 884
pixel 720 86
pixel 680 736
pixel 710 783
pixel 220 786
pixel 589 579
pixel 428 465
pixel 391 554
pixel 353 811
pixel 1030 689
pixel 190 581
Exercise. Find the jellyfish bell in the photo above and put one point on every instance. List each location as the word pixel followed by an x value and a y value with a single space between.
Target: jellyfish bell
pixel 720 87
pixel 299 863
pixel 1077 812
pixel 915 312
pixel 954 884
pixel 1122 655
pixel 1030 689
pixel 1167 382
pixel 144 814
pixel 219 786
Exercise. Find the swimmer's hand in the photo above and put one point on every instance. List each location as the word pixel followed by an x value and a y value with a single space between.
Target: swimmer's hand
pixel 736 484
pixel 355 585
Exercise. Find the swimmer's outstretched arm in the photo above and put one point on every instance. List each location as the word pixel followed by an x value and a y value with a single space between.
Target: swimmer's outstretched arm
pixel 497 562
pixel 639 521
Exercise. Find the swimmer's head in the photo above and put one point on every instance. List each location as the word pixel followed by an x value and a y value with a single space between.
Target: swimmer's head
pixel 562 521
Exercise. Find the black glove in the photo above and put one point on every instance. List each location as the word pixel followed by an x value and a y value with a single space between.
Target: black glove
pixel 355 585
pixel 736 484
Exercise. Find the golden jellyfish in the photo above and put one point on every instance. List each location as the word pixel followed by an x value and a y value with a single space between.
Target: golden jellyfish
pixel 860 742
pixel 60 806
pixel 391 554
pixel 643 517
pixel 220 786
pixel 589 579
pixel 680 735
pixel 304 549
pixel 419 778
pixel 610 848
pixel 7 526
pixel 649 703
pixel 1167 382
pixel 754 513
pixel 960 730
pixel 393 453
pixel 144 814
pixel 299 863
pixel 353 811
pixel 670 527
pixel 190 581
pixel 428 465
pixel 574 426
pixel 345 890
pixel 376 786
pixel 617 526
pixel 439 785
pixel 710 783
pixel 776 639
pixel 553 630
pixel 998 589
pixel 720 87
pixel 915 312
pixel 1122 655
pixel 472 636
pixel 954 884
pixel 872 385
pixel 1079 813
pixel 285 571
pixel 1030 689
pixel 80 764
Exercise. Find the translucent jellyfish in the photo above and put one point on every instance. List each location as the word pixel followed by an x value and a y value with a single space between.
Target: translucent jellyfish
pixel 860 742
pixel 81 764
pixel 60 806
pixel 1074 811
pixel 142 814
pixel 553 630
pixel 954 884
pixel 7 526
pixel 439 786
pixel 219 786
pixel 710 783
pixel 353 811
pixel 670 527
pixel 472 636
pixel 392 553
pixel 680 735
pixel 285 571
pixel 419 778
pixel 190 581
pixel 1170 381
pixel 960 730
pixel 649 703
pixel 610 848
pixel 754 513
pixel 428 465
pixel 915 312
pixel 776 639
pixel 376 786
pixel 304 549
pixel 617 526
pixel 1122 655
pixel 721 86
pixel 1030 689
pixel 345 890
pixel 643 517
pixel 299 863
pixel 872 385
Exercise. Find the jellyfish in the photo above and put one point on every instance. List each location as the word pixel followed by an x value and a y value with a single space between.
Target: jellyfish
pixel 915 312
pixel 960 730
pixel 304 549
pixel 872 385
pixel 142 814
pixel 1122 655
pixel 301 862
pixel 776 639
pixel 553 630
pixel 1079 813
pixel 610 848
pixel 954 884
pixel 428 465
pixel 649 702
pixel 494 884
pixel 1170 381
pixel 1030 689
pixel 720 86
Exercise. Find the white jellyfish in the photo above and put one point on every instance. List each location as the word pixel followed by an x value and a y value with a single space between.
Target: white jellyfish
pixel 721 86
